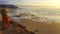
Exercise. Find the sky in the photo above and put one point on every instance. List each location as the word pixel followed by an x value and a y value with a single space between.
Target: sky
pixel 35 2
pixel 39 2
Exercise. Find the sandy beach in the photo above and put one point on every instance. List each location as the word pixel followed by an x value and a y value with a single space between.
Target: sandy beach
pixel 40 27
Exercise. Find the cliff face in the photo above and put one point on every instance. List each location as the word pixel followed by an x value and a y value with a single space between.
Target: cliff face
pixel 14 29
pixel 8 5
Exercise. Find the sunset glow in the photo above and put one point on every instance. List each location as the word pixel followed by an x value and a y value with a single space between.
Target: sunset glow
pixel 35 2
pixel 39 2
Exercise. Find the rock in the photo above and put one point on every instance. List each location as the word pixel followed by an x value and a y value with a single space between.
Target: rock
pixel 14 29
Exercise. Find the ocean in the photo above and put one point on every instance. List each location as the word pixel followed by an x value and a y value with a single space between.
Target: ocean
pixel 38 20
pixel 42 12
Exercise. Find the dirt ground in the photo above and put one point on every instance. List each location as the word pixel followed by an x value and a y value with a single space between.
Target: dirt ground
pixel 14 29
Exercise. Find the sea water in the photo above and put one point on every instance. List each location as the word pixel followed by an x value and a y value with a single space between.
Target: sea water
pixel 49 13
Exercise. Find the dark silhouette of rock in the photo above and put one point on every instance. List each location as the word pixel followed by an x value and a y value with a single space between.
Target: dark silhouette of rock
pixel 9 6
pixel 14 29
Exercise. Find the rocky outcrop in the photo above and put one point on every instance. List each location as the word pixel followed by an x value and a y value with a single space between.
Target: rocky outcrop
pixel 8 5
pixel 14 29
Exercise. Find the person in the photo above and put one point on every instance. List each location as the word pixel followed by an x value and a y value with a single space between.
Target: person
pixel 5 17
